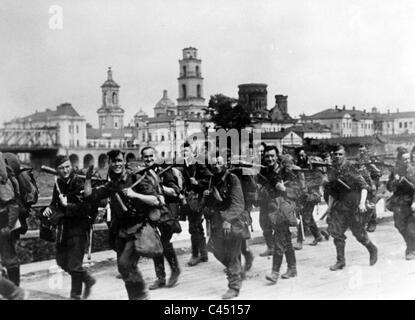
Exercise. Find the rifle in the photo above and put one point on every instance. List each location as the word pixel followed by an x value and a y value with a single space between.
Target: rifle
pixel 50 170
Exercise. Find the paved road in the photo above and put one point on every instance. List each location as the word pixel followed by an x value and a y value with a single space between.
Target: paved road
pixel 391 278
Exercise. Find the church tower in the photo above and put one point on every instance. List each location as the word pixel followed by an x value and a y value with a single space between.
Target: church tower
pixel 110 115
pixel 190 102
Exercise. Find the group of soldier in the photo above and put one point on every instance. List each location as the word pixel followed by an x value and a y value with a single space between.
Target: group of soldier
pixel 151 197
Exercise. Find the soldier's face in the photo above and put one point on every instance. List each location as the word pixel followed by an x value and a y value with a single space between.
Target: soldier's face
pixel 362 151
pixel 339 156
pixel 117 164
pixel 187 152
pixel 218 165
pixel 149 157
pixel 64 169
pixel 406 158
pixel 270 158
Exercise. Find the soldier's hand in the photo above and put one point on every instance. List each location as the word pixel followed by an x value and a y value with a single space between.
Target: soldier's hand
pixel 396 176
pixel 128 192
pixel 413 207
pixel 362 207
pixel 90 172
pixel 47 212
pixel 63 200
pixel 206 193
pixel 5 231
pixel 280 186
pixel 226 228
pixel 193 181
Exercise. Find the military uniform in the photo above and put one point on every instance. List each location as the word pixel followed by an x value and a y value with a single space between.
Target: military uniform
pixel 267 178
pixel 195 218
pixel 400 204
pixel 345 212
pixel 125 225
pixel 230 207
pixel 73 225
pixel 9 215
pixel 308 201
pixel 167 225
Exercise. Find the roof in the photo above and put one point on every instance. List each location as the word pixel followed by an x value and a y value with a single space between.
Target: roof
pixel 337 113
pixel 65 109
pixel 397 115
pixel 309 127
pixel 276 135
pixel 350 140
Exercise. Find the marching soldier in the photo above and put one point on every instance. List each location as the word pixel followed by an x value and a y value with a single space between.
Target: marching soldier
pixel 196 180
pixel 268 175
pixel 311 198
pixel 275 201
pixel 9 216
pixel 347 191
pixel 168 223
pixel 401 182
pixel 70 213
pixel 229 223
pixel 372 176
pixel 130 209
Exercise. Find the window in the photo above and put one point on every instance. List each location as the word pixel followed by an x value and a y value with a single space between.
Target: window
pixel 70 129
pixel 184 70
pixel 149 137
pixel 116 124
pixel 163 153
pixel 406 124
pixel 162 138
pixel 197 70
pixel 199 94
pixel 184 91
pixel 114 98
pixel 400 125
pixel 77 143
pixel 144 137
pixel 77 129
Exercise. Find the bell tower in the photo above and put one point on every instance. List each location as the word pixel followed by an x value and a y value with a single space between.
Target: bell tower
pixel 110 115
pixel 190 102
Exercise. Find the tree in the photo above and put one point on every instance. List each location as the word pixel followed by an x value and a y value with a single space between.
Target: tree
pixel 228 113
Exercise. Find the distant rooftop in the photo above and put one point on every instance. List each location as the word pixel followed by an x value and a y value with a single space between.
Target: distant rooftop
pixel 65 109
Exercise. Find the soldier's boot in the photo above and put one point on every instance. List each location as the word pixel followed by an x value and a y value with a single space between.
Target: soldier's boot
pixel 292 268
pixel 325 234
pixel 276 266
pixel 14 275
pixel 298 245
pixel 160 273
pixel 373 253
pixel 10 291
pixel 249 259
pixel 230 294
pixel 371 225
pixel 89 282
pixel 76 285
pixel 316 234
pixel 171 257
pixel 136 291
pixel 195 259
pixel 203 250
pixel 270 245
pixel 341 261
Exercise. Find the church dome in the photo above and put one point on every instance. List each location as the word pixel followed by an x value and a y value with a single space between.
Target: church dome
pixel 165 103
pixel 140 114
pixel 110 82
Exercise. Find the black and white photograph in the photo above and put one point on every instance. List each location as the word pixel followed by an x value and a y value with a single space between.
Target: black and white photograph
pixel 214 153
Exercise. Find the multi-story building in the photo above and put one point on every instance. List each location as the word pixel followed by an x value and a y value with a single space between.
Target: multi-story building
pixel 70 127
pixel 344 122
pixel 395 123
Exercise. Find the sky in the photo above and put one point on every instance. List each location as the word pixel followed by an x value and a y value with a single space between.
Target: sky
pixel 320 53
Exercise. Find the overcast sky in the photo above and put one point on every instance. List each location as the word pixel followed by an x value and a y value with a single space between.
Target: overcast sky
pixel 318 52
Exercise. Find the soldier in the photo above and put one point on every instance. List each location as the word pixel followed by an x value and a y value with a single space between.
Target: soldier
pixel 372 176
pixel 401 182
pixel 168 223
pixel 130 208
pixel 276 200
pixel 347 191
pixel 311 198
pixel 229 223
pixel 196 179
pixel 271 174
pixel 70 213
pixel 9 216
